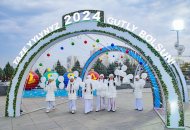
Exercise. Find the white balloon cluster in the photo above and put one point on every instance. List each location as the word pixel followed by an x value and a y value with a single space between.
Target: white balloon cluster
pixel 121 72
pixel 54 76
pixel 127 78
pixel 130 76
pixel 78 79
pixel 43 82
pixel 61 79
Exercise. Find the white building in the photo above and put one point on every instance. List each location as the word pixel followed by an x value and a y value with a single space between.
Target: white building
pixel 71 61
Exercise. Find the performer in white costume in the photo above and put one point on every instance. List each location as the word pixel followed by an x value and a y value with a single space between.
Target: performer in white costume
pixel 111 93
pixel 79 81
pixel 101 93
pixel 138 87
pixel 88 94
pixel 50 96
pixel 72 88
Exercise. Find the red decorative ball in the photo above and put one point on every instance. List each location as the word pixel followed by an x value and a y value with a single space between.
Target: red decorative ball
pixel 127 51
pixel 85 42
pixel 93 74
pixel 121 56
pixel 32 81
pixel 100 49
pixel 48 54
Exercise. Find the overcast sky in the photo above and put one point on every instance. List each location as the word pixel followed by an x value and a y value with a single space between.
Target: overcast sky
pixel 21 20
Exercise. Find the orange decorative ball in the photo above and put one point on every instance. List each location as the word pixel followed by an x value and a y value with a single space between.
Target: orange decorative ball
pixel 94 75
pixel 32 81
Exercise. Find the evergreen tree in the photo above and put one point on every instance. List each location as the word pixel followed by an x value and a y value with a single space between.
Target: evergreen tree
pixel 111 68
pixel 60 69
pixel 100 68
pixel 1 74
pixel 9 71
pixel 38 73
pixel 77 67
pixel 130 68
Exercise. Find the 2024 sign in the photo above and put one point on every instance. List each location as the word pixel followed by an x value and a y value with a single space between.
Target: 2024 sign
pixel 81 16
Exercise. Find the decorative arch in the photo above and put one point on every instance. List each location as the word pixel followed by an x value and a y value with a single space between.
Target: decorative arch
pixel 157 97
pixel 169 77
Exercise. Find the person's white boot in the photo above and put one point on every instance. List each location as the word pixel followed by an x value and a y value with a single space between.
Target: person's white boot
pixel 73 112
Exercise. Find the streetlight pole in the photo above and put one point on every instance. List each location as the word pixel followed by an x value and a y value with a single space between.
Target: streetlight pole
pixel 177 26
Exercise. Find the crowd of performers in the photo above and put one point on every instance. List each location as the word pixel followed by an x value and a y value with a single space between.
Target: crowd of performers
pixel 106 93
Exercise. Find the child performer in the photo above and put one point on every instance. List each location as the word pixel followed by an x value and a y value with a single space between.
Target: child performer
pixel 101 94
pixel 88 95
pixel 72 89
pixel 111 93
pixel 50 96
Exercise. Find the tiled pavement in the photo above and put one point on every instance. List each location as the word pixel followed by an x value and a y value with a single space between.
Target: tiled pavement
pixel 125 118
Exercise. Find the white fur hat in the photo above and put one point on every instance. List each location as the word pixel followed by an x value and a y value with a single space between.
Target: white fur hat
pixel 111 75
pixel 101 75
pixel 137 77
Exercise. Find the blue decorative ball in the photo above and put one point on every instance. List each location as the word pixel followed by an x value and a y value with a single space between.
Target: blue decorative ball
pixel 112 44
pixel 141 63
pixel 62 48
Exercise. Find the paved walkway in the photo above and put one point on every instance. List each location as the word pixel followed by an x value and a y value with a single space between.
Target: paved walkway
pixel 125 118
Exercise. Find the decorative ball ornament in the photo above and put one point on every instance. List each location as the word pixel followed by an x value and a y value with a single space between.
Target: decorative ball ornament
pixel 61 79
pixel 85 42
pixel 97 40
pixel 127 51
pixel 120 72
pixel 61 85
pixel 113 56
pixel 124 68
pixel 72 43
pixel 140 63
pixel 31 81
pixel 43 79
pixel 116 72
pixel 94 75
pixel 123 74
pixel 40 64
pixel 42 85
pixel 100 49
pixel 48 55
pixel 61 48
pixel 106 53
pixel 121 56
pixel 112 45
